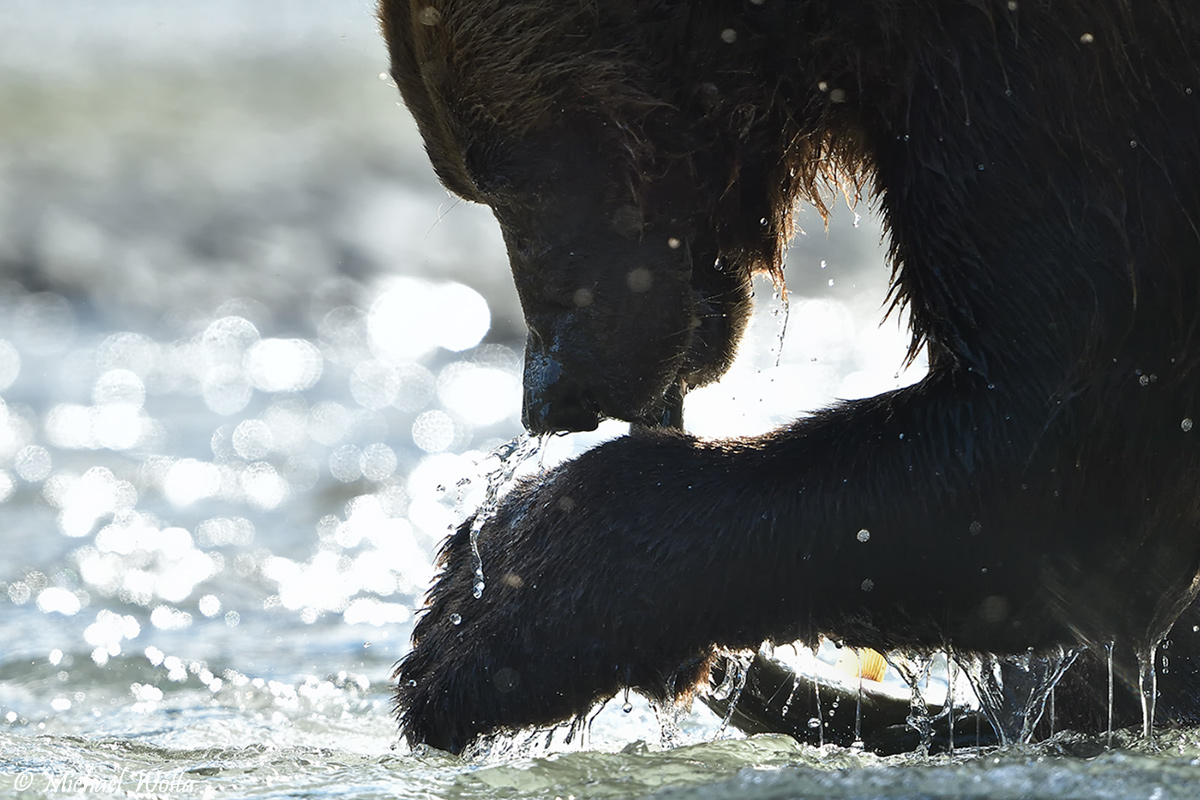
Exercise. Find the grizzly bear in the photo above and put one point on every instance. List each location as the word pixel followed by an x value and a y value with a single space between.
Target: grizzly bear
pixel 1037 166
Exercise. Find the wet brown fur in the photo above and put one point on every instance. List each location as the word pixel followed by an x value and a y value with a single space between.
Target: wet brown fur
pixel 501 65
pixel 1037 165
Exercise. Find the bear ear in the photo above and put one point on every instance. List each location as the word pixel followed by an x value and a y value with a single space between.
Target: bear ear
pixel 419 79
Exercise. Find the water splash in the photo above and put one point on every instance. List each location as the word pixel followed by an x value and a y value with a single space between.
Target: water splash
pixel 737 669
pixel 499 468
pixel 914 669
pixel 948 704
pixel 670 716
pixel 1013 689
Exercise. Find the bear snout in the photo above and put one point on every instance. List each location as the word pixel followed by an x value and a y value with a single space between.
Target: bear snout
pixel 566 391
pixel 553 400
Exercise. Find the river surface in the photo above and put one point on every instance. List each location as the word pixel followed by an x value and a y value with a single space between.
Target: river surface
pixel 252 361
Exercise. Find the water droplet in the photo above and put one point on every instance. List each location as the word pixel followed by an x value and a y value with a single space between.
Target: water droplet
pixel 867 585
pixel 455 619
pixel 628 707
pixel 1144 380
pixel 1186 424
pixel 729 36
pixel 864 535
pixel 814 723
pixel 478 589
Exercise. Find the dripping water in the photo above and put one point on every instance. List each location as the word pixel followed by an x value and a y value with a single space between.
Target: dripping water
pixel 1109 653
pixel 508 457
pixel 737 669
pixel 947 709
pixel 1013 690
pixel 670 717
pixel 951 674
pixel 820 716
pixel 1148 686
pixel 914 669
pixel 787 704
pixel 782 293
pixel 858 742
pixel 476 527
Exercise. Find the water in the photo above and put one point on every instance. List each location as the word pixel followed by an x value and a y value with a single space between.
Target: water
pixel 1148 685
pixel 501 467
pixel 1014 689
pixel 1108 649
pixel 914 669
pixel 252 363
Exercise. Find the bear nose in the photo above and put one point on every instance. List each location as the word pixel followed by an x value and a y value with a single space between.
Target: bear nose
pixel 554 402
pixel 559 396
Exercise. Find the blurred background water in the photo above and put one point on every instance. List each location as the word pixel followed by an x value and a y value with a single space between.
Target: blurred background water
pixel 252 360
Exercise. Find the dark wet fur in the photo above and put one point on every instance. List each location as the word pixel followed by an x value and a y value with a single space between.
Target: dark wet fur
pixel 1038 171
